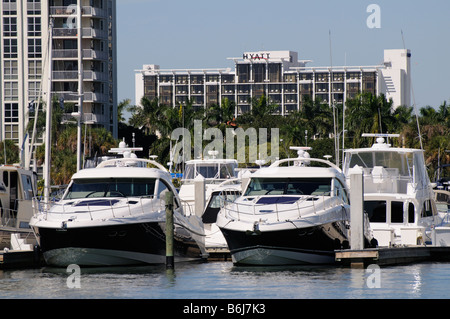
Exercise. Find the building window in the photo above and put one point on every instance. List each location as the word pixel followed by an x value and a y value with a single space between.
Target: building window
pixel 11 112
pixel 12 132
pixel 10 48
pixel 34 48
pixel 9 7
pixel 243 73
pixel 34 69
pixel 275 72
pixel 10 70
pixel 305 76
pixel 34 26
pixel 290 78
pixel 150 87
pixel 259 73
pixel 11 92
pixel 10 27
pixel 34 7
pixel 33 90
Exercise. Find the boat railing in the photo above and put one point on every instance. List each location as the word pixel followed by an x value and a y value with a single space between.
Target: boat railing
pixel 187 208
pixel 8 217
pixel 301 206
pixel 115 208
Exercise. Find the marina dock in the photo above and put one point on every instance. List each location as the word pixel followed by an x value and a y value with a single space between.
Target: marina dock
pixel 18 259
pixel 390 256
pixel 219 254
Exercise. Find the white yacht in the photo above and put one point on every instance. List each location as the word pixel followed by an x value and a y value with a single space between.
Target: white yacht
pixel 114 214
pixel 214 240
pixel 296 214
pixel 17 189
pixel 213 170
pixel 398 196
pixel 215 176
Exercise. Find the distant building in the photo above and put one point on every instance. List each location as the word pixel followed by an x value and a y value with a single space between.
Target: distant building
pixel 24 60
pixel 281 77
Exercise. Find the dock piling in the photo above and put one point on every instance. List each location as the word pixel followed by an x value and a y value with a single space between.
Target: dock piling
pixel 170 260
pixel 357 209
pixel 200 196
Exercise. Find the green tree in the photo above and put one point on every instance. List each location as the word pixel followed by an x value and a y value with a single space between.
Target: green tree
pixel 148 116
pixel 367 113
pixel 221 115
pixel 121 107
pixel 9 152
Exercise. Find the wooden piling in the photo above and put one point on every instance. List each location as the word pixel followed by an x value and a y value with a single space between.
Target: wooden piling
pixel 170 260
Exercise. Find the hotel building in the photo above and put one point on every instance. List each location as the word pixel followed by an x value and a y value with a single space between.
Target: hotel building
pixel 83 61
pixel 281 77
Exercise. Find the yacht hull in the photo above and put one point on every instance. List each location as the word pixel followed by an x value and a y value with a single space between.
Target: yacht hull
pixel 312 245
pixel 118 245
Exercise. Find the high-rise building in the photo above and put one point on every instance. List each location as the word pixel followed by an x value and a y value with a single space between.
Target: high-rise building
pixel 281 77
pixel 83 61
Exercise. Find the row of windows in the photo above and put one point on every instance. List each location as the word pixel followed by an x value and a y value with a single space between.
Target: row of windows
pixel 151 88
pixel 10 26
pixel 10 7
pixel 10 69
pixel 259 76
pixel 10 48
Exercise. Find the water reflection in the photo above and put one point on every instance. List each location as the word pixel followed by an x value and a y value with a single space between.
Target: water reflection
pixel 223 280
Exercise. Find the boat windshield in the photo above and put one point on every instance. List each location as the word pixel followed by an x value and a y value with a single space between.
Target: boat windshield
pixel 288 186
pixel 210 170
pixel 216 202
pixel 402 162
pixel 111 187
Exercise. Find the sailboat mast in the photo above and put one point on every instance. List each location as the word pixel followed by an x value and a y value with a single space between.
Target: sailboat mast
pixel 48 121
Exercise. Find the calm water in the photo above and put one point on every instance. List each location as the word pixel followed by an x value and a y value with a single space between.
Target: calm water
pixel 222 280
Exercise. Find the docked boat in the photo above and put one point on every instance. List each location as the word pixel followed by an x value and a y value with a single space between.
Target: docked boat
pixel 114 215
pixel 398 195
pixel 224 193
pixel 213 171
pixel 290 213
pixel 442 198
pixel 17 189
pixel 213 179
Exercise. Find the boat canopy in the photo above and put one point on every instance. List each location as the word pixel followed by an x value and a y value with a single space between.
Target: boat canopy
pixel 210 169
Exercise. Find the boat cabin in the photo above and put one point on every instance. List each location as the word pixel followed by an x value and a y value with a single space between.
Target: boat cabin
pixel 397 190
pixel 216 170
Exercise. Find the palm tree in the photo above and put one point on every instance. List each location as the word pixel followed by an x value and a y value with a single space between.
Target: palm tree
pixel 121 107
pixel 221 115
pixel 318 117
pixel 261 110
pixel 9 152
pixel 147 116
pixel 367 113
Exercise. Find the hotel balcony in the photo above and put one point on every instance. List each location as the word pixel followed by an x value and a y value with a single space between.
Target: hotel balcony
pixel 87 97
pixel 73 54
pixel 86 11
pixel 88 118
pixel 73 75
pixel 66 32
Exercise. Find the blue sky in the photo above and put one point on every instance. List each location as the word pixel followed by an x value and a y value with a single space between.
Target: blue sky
pixel 204 33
